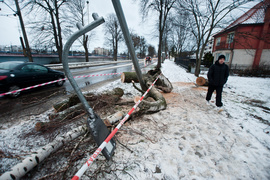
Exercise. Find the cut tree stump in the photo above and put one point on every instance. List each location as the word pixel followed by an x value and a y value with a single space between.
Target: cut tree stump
pixel 40 126
pixel 201 81
pixel 128 77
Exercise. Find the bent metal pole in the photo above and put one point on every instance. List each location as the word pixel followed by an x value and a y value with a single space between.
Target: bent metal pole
pixel 122 21
pixel 103 145
pixel 96 126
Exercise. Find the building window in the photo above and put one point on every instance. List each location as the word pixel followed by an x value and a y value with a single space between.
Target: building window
pixel 230 37
pixel 227 55
pixel 218 41
pixel 217 55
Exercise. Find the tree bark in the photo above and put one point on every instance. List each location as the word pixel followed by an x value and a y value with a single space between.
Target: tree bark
pixel 112 119
pixel 72 107
pixel 30 162
pixel 67 113
pixel 73 100
pixel 128 77
pixel 85 40
pixel 162 83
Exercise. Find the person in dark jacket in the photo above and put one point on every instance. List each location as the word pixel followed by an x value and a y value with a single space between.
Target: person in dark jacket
pixel 217 76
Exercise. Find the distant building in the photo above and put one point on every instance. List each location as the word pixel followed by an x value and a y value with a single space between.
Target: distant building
pixel 246 42
pixel 12 48
pixel 101 51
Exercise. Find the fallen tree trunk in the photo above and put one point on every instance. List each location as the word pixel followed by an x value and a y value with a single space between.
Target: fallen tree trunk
pixel 56 119
pixel 112 119
pixel 128 77
pixel 116 93
pixel 201 81
pixel 67 113
pixel 71 101
pixel 71 108
pixel 29 163
pixel 162 83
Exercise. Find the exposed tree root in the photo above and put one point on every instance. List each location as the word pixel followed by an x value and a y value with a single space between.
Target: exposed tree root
pixel 162 83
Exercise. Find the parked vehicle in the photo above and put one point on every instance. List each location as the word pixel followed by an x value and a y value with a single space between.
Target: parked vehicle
pixel 15 75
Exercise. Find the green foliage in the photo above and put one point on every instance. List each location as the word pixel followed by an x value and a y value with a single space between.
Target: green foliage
pixel 208 59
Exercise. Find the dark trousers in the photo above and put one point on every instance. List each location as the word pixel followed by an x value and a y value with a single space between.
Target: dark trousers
pixel 210 91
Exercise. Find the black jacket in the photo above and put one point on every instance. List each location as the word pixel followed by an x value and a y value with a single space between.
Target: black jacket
pixel 218 74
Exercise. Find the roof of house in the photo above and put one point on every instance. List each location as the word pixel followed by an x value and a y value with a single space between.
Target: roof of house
pixel 255 15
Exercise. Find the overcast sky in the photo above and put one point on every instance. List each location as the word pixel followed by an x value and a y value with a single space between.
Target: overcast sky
pixel 10 27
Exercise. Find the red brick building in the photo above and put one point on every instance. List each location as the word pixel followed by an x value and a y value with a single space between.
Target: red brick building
pixel 246 42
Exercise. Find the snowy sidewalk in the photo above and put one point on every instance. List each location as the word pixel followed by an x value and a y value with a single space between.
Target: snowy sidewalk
pixel 190 139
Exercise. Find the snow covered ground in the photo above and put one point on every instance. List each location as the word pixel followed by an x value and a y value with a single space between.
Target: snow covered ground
pixel 188 140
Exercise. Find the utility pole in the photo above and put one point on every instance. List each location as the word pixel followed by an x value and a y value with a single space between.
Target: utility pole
pixel 28 50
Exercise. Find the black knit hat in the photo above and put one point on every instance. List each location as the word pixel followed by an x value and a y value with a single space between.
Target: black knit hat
pixel 221 56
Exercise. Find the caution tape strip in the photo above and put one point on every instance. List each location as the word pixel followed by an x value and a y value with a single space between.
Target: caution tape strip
pixel 51 82
pixel 106 141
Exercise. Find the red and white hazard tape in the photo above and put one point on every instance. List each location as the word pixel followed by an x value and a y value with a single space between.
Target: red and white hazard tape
pixel 107 140
pixel 51 82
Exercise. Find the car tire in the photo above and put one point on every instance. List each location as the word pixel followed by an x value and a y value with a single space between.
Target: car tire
pixel 13 88
pixel 59 83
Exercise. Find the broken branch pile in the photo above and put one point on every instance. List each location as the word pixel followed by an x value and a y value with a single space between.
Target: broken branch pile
pixel 72 108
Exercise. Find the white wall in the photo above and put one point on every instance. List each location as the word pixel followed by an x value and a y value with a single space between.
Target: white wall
pixel 243 57
pixel 265 58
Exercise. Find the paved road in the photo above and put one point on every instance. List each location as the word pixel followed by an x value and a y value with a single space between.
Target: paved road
pixel 38 100
pixel 97 70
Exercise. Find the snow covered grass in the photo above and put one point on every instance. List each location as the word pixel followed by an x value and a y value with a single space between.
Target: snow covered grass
pixel 188 140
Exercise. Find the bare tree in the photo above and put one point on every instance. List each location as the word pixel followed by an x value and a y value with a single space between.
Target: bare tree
pixel 162 7
pixel 180 35
pixel 48 26
pixel 206 16
pixel 113 33
pixel 77 10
